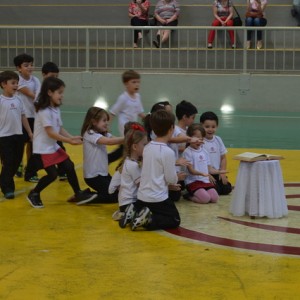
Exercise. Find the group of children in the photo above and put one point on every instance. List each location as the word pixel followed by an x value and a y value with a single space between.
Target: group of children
pixel 160 159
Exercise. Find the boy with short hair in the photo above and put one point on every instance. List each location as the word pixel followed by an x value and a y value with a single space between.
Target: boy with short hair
pixel 128 106
pixel 28 90
pixel 50 69
pixel 12 116
pixel 185 114
pixel 214 145
pixel 153 209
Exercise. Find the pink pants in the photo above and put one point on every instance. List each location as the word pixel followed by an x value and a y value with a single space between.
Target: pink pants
pixel 205 196
pixel 212 33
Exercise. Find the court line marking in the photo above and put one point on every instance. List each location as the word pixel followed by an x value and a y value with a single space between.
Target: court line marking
pixel 199 236
pixel 263 226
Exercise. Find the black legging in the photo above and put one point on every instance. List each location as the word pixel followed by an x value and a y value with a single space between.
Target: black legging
pixel 135 21
pixel 52 173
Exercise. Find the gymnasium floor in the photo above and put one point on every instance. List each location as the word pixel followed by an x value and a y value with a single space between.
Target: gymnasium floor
pixel 64 251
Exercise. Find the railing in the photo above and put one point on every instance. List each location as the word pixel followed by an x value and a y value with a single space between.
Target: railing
pixel 110 47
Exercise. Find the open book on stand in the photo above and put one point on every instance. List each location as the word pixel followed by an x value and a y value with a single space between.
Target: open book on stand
pixel 251 157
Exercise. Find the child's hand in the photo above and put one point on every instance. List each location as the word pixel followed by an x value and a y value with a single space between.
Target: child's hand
pixel 223 171
pixel 181 176
pixel 212 179
pixel 182 162
pixel 174 187
pixel 196 140
pixel 76 140
pixel 224 179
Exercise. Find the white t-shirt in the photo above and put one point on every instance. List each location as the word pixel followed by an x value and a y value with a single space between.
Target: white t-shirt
pixel 158 171
pixel 34 85
pixel 130 179
pixel 200 161
pixel 11 111
pixel 127 109
pixel 115 182
pixel 215 148
pixel 48 117
pixel 95 159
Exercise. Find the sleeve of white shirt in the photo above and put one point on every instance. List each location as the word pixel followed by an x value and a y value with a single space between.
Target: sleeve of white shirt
pixel 223 149
pixel 37 88
pixel 134 171
pixel 118 106
pixel 115 182
pixel 169 161
pixel 46 118
pixel 187 155
pixel 92 137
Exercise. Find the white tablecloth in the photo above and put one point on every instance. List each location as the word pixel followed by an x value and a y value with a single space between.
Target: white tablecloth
pixel 259 190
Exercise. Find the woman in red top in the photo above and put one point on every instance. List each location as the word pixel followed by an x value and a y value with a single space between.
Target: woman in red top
pixel 138 13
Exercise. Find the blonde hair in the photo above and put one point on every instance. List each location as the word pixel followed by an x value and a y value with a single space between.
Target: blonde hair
pixel 94 114
pixel 133 136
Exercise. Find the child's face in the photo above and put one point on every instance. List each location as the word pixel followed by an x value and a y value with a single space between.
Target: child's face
pixel 139 147
pixel 10 87
pixel 25 69
pixel 210 127
pixel 56 96
pixel 188 120
pixel 102 124
pixel 197 134
pixel 132 86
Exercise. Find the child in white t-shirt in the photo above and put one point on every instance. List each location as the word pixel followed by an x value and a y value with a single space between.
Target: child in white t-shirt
pixel 214 145
pixel 199 182
pixel 95 158
pixel 12 116
pixel 47 153
pixel 135 141
pixel 28 90
pixel 154 209
pixel 128 106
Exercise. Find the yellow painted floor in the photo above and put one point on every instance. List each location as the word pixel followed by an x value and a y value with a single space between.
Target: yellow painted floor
pixel 68 252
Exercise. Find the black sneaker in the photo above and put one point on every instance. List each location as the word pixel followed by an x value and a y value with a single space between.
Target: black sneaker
pixel 35 200
pixel 156 44
pixel 128 216
pixel 141 219
pixel 62 177
pixel 85 196
pixel 9 195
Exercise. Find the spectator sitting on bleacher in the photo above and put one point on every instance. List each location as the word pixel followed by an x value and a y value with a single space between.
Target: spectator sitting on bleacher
pixel 255 16
pixel 223 12
pixel 138 14
pixel 166 13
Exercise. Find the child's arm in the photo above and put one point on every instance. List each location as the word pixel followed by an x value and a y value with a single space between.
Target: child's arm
pixel 27 92
pixel 115 182
pixel 182 138
pixel 26 126
pixel 196 172
pixel 110 140
pixel 223 166
pixel 63 136
pixel 214 171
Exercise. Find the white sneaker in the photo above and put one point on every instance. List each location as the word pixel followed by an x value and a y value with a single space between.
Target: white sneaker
pixel 128 215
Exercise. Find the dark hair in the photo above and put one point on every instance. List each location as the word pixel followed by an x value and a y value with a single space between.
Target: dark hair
pixel 22 58
pixel 50 67
pixel 49 84
pixel 185 108
pixel 209 115
pixel 94 114
pixel 8 75
pixel 157 106
pixel 129 75
pixel 192 128
pixel 161 122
